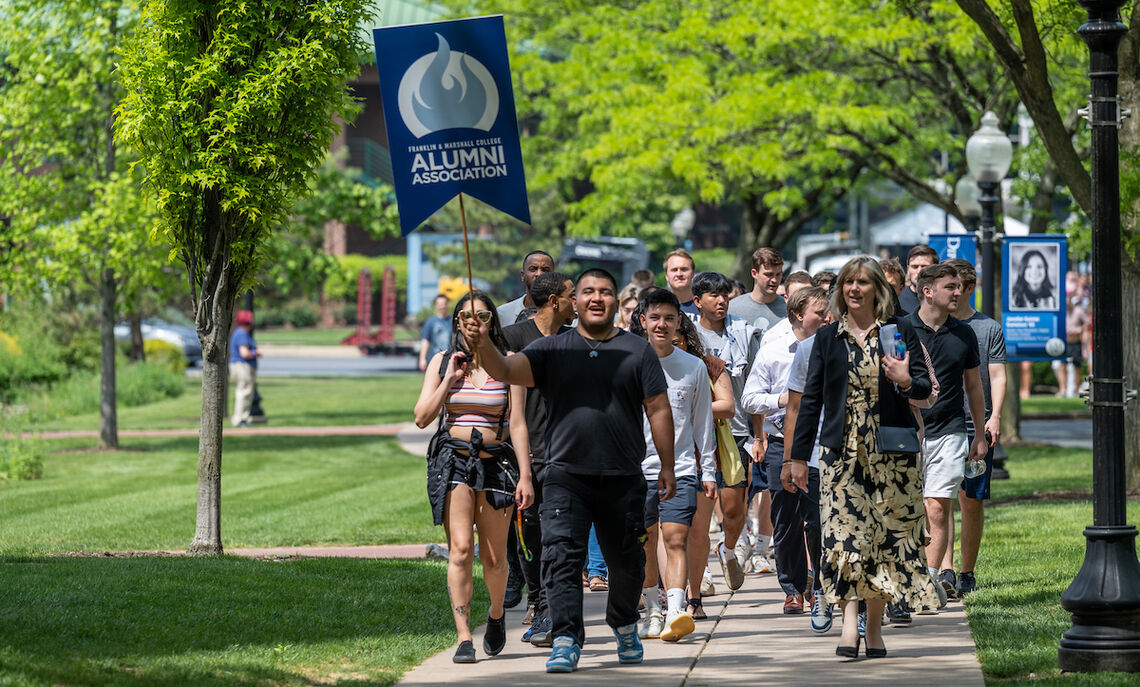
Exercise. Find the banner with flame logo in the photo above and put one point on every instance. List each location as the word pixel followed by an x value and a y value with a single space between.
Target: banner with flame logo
pixel 450 114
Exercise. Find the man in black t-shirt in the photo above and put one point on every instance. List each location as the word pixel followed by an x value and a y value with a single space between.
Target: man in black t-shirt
pixel 553 293
pixel 953 349
pixel 596 380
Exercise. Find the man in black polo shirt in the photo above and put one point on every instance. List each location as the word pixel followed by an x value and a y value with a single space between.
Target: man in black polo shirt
pixel 953 349
pixel 553 295
pixel 597 381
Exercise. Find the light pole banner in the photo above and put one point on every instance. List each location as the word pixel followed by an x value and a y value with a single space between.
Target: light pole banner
pixel 1033 296
pixel 950 246
pixel 449 109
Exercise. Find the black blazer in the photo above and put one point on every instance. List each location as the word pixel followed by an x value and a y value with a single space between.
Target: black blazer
pixel 826 388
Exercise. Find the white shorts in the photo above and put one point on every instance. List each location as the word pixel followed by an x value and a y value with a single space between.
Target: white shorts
pixel 943 465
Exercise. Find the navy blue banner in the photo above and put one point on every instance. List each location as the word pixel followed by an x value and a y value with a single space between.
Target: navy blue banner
pixel 951 246
pixel 450 113
pixel 1033 296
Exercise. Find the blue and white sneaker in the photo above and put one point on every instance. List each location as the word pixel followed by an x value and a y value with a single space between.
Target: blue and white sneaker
pixel 862 623
pixel 820 615
pixel 564 656
pixel 629 644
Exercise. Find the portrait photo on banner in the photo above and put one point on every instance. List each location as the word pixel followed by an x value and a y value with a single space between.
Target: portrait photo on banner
pixel 1035 279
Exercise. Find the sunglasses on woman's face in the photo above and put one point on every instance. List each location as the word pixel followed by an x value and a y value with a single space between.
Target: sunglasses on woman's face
pixel 483 315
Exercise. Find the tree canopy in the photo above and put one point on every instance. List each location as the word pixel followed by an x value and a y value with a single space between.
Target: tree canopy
pixel 639 109
pixel 77 217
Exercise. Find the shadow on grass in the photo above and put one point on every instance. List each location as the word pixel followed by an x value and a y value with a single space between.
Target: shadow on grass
pixel 219 621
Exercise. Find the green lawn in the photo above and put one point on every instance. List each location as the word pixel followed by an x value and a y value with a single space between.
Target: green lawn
pixel 308 336
pixel 288 401
pixel 1035 405
pixel 1044 469
pixel 1032 550
pixel 221 622
pixel 312 336
pixel 276 491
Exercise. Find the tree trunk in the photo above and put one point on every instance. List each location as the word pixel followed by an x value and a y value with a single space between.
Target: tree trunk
pixel 215 377
pixel 1011 410
pixel 751 223
pixel 214 299
pixel 138 348
pixel 108 417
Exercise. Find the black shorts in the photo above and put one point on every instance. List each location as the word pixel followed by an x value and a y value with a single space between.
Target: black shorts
pixel 1073 353
pixel 680 509
pixel 979 487
pixel 447 468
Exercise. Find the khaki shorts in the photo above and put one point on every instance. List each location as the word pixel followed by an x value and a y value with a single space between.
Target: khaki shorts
pixel 944 465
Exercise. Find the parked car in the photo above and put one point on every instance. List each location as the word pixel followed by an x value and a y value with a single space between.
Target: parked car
pixel 182 336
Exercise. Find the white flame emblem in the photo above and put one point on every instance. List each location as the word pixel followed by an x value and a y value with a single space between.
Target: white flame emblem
pixel 447 90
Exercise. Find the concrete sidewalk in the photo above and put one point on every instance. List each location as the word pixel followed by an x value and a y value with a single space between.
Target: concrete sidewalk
pixel 747 640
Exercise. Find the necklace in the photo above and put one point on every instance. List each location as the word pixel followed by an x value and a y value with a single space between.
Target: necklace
pixel 594 348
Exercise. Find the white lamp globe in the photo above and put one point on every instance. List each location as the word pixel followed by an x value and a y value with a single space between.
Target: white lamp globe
pixel 989 151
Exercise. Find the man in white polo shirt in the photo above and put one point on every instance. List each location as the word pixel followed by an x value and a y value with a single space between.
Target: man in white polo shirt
pixel 795 515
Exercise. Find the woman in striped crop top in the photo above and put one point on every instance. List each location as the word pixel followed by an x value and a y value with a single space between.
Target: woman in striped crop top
pixel 475 475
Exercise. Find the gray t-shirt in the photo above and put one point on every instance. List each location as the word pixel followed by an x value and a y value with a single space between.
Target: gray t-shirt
pixel 509 311
pixel 991 349
pixel 762 316
pixel 736 346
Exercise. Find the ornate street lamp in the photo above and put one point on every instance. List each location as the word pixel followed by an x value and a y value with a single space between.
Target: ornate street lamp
pixel 1104 598
pixel 988 154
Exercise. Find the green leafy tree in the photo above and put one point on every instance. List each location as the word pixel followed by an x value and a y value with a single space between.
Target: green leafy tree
pixel 78 220
pixel 295 260
pixel 780 108
pixel 1038 47
pixel 232 107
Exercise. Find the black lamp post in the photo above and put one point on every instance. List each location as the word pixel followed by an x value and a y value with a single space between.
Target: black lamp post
pixel 966 196
pixel 1104 598
pixel 988 154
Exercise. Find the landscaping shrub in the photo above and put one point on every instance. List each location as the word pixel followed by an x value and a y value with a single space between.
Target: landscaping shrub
pixel 142 383
pixel 27 359
pixel 136 384
pixel 21 459
pixel 299 312
pixel 165 354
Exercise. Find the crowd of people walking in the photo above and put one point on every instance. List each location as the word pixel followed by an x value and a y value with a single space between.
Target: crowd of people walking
pixel 824 426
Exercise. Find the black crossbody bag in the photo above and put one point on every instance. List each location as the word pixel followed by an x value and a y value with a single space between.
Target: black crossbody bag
pixel 892 439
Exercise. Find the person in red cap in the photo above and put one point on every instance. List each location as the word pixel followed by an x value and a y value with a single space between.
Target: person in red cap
pixel 243 366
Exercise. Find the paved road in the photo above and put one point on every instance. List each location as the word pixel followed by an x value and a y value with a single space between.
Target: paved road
pixel 1075 433
pixel 307 366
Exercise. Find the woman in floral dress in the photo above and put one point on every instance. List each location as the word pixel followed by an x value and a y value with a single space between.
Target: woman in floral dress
pixel 870 501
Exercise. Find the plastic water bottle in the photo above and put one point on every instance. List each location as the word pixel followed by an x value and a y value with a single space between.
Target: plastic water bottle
pixel 975 468
pixel 900 347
